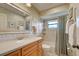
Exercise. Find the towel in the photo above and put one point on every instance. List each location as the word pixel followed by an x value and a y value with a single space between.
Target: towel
pixel 67 27
pixel 68 24
pixel 71 33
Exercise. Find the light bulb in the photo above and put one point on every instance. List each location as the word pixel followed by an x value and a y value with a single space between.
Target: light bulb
pixel 28 4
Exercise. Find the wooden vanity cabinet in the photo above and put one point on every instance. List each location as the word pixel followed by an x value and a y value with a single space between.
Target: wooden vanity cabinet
pixel 26 50
pixel 33 49
pixel 32 52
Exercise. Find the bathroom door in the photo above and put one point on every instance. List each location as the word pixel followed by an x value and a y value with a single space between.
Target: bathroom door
pixel 75 17
pixel 77 31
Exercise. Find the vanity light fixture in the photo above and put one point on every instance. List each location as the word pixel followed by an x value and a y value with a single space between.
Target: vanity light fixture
pixel 28 4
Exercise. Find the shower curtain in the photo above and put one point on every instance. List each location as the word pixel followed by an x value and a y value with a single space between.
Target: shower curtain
pixel 61 40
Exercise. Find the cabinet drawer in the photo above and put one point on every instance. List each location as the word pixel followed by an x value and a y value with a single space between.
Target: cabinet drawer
pixel 32 51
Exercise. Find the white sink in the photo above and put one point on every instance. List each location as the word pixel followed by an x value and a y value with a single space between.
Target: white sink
pixel 19 41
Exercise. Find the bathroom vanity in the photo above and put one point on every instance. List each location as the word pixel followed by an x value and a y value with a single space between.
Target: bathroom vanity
pixel 24 47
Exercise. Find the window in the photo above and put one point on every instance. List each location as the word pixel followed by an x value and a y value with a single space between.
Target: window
pixel 52 24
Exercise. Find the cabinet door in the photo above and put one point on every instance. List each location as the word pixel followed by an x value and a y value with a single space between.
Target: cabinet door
pixel 40 49
pixel 33 52
pixel 15 53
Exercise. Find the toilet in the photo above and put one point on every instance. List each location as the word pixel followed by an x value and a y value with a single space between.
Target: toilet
pixel 46 46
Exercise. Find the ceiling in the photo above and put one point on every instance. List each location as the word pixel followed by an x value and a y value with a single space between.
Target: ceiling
pixel 55 15
pixel 46 6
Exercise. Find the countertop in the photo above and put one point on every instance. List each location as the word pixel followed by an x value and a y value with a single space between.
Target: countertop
pixel 11 45
pixel 24 32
